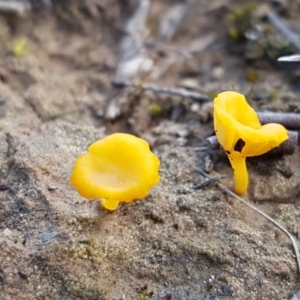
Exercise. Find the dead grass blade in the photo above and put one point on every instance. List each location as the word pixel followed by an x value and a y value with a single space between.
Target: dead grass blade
pixel 234 195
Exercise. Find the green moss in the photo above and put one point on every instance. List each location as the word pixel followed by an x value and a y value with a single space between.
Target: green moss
pixel 252 75
pixel 268 46
pixel 275 93
pixel 234 33
pixel 89 294
pixel 155 110
pixel 142 297
pixel 19 47
pixel 213 95
pixel 240 20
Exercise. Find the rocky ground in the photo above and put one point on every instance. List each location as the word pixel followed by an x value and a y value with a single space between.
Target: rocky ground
pixel 178 243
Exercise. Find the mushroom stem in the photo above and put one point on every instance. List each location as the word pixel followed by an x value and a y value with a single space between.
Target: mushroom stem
pixel 109 204
pixel 240 174
pixel 286 147
pixel 288 120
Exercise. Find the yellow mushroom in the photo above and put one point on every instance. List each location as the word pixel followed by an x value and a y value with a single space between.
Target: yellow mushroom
pixel 118 168
pixel 240 133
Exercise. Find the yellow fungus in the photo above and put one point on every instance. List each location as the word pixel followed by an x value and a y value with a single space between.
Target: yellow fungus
pixel 240 133
pixel 118 168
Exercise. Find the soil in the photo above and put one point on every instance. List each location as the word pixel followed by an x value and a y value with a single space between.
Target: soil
pixel 56 70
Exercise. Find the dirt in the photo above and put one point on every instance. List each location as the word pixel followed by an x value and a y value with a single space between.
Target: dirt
pixel 178 242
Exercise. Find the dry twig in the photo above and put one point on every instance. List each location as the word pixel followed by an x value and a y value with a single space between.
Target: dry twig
pixel 133 54
pixel 288 120
pixel 234 195
pixel 284 29
pixel 16 7
pixel 171 21
pixel 289 58
pixel 166 90
pixel 208 181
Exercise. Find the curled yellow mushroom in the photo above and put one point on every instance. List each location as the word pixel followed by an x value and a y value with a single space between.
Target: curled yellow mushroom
pixel 118 168
pixel 240 133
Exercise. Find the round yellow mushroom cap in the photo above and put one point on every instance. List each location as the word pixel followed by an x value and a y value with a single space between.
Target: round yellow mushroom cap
pixel 118 168
pixel 240 133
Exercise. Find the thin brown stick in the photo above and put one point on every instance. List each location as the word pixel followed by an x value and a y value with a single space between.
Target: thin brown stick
pixel 253 207
pixel 286 147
